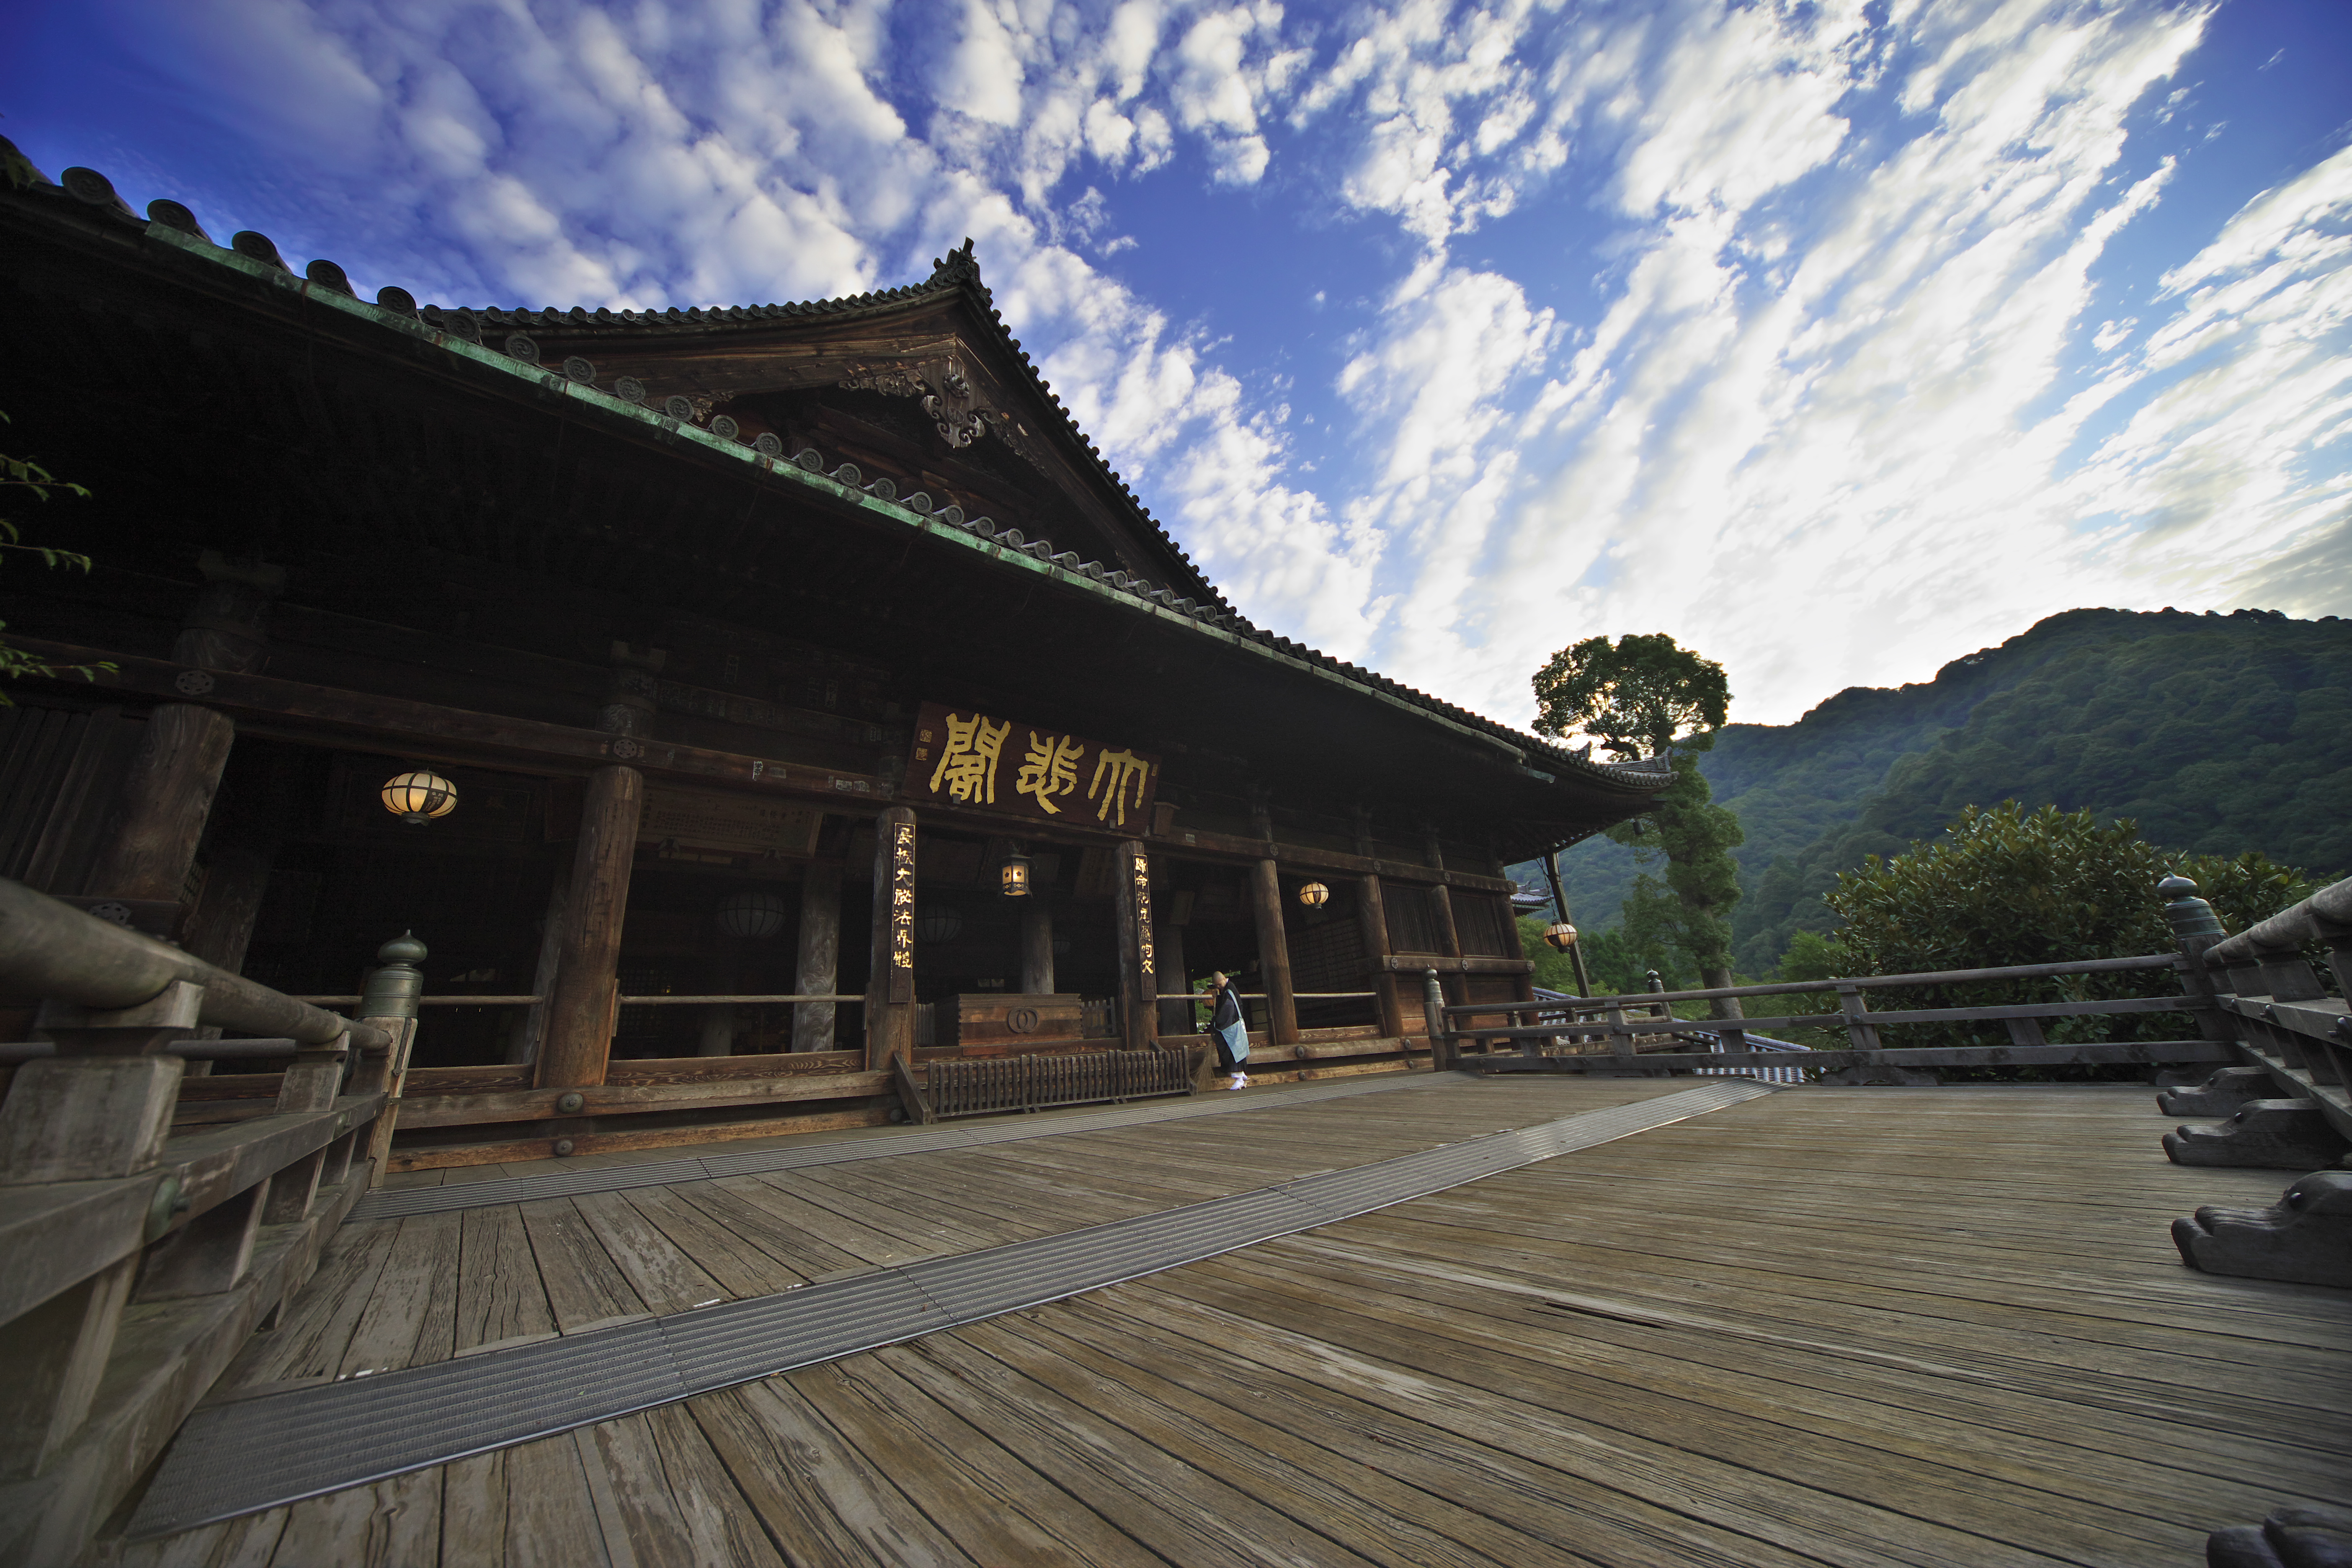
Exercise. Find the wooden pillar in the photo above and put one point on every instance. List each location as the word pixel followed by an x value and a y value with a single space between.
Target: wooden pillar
pixel 165 798
pixel 220 928
pixel 1036 945
pixel 1274 953
pixel 580 1008
pixel 1372 920
pixel 525 1045
pixel 817 972
pixel 724 977
pixel 1176 987
pixel 890 988
pixel 1138 958
pixel 168 792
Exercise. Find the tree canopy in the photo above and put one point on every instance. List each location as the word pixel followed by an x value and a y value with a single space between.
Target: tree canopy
pixel 2215 733
pixel 1639 697
pixel 2004 886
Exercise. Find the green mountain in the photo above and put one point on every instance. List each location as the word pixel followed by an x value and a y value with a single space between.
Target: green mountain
pixel 2216 733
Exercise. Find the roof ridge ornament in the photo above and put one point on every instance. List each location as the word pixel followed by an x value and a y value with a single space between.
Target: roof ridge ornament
pixel 957 267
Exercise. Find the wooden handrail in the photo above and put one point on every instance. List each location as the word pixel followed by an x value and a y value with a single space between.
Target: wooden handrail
pixel 50 950
pixel 2325 915
pixel 1867 981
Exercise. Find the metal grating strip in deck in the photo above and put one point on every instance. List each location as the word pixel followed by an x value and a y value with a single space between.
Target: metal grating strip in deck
pixel 254 1454
pixel 397 1205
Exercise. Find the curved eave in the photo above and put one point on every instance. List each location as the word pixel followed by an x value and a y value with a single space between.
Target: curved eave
pixel 1550 771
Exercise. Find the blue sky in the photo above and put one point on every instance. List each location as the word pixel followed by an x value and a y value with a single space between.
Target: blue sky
pixel 1837 339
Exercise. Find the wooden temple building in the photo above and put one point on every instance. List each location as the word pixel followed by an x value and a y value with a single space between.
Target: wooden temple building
pixel 524 796
pixel 760 647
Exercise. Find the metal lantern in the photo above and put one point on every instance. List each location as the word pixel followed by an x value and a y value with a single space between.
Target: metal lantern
pixel 939 923
pixel 1315 895
pixel 1560 936
pixel 751 912
pixel 1016 875
pixel 417 797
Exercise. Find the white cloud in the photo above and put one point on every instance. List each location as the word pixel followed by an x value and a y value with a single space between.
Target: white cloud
pixel 1853 400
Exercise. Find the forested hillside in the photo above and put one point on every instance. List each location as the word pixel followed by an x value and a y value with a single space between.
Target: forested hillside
pixel 2216 733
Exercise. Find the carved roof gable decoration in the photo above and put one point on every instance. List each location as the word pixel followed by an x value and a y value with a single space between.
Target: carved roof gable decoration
pixel 955 405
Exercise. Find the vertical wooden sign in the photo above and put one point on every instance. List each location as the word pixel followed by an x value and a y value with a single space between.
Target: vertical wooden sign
pixel 1137 979
pixel 902 910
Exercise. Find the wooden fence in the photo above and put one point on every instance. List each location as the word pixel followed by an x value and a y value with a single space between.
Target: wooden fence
pixel 138 1263
pixel 977 1088
pixel 1598 1034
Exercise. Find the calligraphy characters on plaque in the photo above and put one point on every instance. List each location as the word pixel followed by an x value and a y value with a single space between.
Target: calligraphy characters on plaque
pixel 974 759
pixel 1139 872
pixel 902 895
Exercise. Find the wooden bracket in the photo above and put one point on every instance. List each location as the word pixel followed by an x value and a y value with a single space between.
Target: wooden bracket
pixel 910 1093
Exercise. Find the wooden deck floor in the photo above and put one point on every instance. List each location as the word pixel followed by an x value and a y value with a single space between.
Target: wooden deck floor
pixel 1849 1326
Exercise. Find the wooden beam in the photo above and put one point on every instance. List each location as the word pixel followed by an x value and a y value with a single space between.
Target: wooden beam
pixel 164 801
pixel 1273 952
pixel 429 732
pixel 579 1016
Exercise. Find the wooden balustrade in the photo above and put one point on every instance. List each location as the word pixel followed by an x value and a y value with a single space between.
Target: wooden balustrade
pixel 109 1223
pixel 978 1087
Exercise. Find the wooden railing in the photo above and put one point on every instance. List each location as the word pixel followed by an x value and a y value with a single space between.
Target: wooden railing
pixel 978 1088
pixel 1622 1017
pixel 2283 1020
pixel 138 1263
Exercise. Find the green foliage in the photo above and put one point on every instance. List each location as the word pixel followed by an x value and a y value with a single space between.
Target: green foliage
pixel 24 474
pixel 2006 886
pixel 1645 696
pixel 2218 734
pixel 1641 696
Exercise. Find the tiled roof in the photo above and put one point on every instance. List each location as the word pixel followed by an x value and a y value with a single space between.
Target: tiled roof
pixel 959 270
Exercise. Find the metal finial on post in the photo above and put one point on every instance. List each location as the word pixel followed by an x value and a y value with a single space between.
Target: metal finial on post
pixel 391 990
pixel 2188 914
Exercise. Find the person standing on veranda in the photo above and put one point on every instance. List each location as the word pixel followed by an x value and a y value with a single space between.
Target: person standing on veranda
pixel 1229 1031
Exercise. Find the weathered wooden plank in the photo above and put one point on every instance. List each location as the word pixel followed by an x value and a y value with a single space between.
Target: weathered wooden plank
pixel 410 1318
pixel 583 1286
pixel 315 1328
pixel 810 1486
pixel 247 1543
pixel 677 1504
pixel 953 1484
pixel 1425 1474
pixel 550 1514
pixel 663 1278
pixel 500 1297
pixel 1350 1508
pixel 739 1268
pixel 392 1521
pixel 1184 1515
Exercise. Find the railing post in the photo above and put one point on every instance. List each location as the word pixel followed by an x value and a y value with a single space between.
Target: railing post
pixel 388 999
pixel 1621 1033
pixel 1861 1033
pixel 100 1108
pixel 1442 1057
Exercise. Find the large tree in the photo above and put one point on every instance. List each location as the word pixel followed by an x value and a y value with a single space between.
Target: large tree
pixel 1646 697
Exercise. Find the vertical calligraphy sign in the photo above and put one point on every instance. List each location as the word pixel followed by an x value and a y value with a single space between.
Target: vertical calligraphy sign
pixel 902 911
pixel 1140 873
